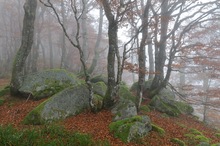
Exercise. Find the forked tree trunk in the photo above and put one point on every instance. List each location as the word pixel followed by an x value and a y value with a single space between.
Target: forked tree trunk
pixel 26 44
pixel 160 55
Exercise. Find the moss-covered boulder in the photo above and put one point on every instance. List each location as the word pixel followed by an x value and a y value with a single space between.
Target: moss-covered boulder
pixel 147 85
pixel 130 129
pixel 99 88
pixel 100 78
pixel 170 106
pixel 68 102
pixel 47 83
pixel 125 107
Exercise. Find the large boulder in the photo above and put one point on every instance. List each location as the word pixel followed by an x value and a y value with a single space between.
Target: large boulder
pixel 47 83
pixel 68 102
pixel 99 78
pixel 130 129
pixel 165 101
pixel 147 85
pixel 125 107
pixel 99 88
pixel 167 104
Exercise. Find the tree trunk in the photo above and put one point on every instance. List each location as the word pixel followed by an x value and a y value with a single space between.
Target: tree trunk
pixel 84 31
pixel 160 55
pixel 50 46
pixel 26 44
pixel 111 94
pixel 206 84
pixel 151 59
pixel 113 45
pixel 35 53
pixel 63 43
pixel 141 53
pixel 98 40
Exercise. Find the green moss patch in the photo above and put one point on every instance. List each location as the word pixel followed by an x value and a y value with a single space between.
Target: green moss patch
pixel 126 94
pixel 178 141
pixel 158 129
pixel 4 91
pixel 49 135
pixel 144 108
pixel 1 101
pixel 34 117
pixel 195 137
pixel 217 135
pixel 98 102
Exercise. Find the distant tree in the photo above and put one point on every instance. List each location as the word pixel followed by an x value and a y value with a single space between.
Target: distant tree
pixel 97 44
pixel 25 48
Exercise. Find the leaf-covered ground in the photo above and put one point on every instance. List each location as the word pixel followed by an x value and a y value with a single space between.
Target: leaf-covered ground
pixel 15 109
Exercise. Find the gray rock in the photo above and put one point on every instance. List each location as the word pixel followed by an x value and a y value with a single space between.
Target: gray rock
pixel 99 88
pixel 168 105
pixel 130 129
pixel 124 109
pixel 100 78
pixel 47 83
pixel 70 101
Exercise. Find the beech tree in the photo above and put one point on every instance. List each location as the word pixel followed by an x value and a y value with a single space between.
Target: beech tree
pixel 200 61
pixel 25 48
pixel 173 20
pixel 115 13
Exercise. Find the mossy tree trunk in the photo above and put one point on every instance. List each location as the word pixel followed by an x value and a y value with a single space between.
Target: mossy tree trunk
pixel 26 44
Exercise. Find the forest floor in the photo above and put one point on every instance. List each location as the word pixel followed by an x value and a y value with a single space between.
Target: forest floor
pixel 15 109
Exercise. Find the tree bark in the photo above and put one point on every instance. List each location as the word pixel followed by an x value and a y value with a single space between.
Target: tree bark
pixel 160 55
pixel 151 59
pixel 141 53
pixel 25 48
pixel 113 45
